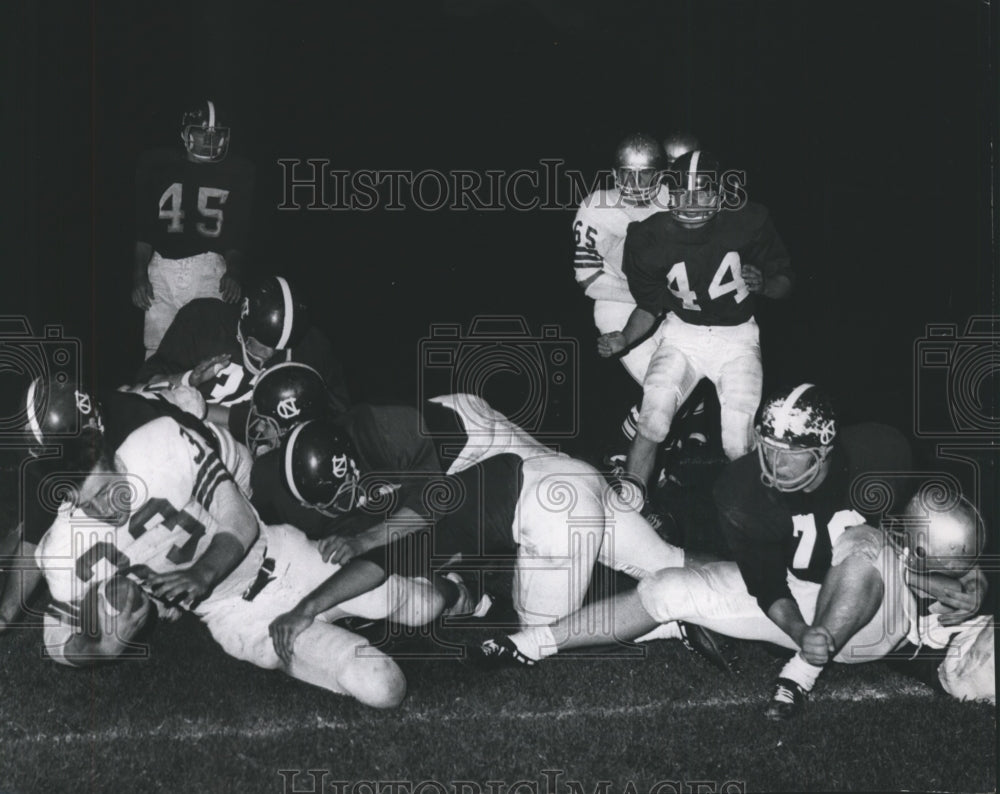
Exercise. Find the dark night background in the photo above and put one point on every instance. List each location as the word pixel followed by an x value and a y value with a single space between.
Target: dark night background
pixel 864 127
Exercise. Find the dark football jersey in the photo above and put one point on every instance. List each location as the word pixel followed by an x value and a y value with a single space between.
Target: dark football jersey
pixel 207 327
pixel 696 273
pixel 772 533
pixel 185 208
pixel 478 524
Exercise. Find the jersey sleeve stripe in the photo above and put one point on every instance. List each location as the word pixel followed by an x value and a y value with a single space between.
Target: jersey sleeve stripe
pixel 206 482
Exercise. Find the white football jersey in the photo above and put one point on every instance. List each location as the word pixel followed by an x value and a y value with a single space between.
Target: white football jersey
pixel 172 477
pixel 600 227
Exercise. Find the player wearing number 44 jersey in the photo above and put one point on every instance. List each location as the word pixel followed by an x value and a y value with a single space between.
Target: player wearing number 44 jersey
pixel 706 261
pixel 192 218
pixel 164 512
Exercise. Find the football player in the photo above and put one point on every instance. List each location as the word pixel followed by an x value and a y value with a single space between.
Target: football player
pixel 221 350
pixel 812 573
pixel 548 512
pixel 164 512
pixel 192 218
pixel 599 230
pixel 706 263
pixel 71 417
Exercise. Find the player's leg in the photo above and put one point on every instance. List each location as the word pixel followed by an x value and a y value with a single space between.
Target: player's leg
pixel 341 661
pixel 631 545
pixel 559 528
pixel 739 383
pixel 163 307
pixel 670 379
pixel 968 671
pixel 207 270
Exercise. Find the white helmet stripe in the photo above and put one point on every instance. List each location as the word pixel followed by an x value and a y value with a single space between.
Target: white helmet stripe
pixel 286 327
pixel 288 462
pixel 33 423
pixel 693 170
pixel 211 114
pixel 783 413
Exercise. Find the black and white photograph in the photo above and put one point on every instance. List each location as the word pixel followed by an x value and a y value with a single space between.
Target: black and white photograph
pixel 499 396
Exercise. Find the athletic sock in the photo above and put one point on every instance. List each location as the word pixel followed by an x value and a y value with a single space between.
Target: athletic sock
pixel 536 642
pixel 801 672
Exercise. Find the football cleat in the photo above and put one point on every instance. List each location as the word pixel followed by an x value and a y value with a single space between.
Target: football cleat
pixel 714 648
pixel 787 700
pixel 497 654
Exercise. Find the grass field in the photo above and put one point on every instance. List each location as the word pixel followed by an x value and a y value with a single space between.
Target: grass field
pixel 191 719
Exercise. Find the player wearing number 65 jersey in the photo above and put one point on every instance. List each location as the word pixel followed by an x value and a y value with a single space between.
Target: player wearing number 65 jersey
pixel 705 261
pixel 192 218
pixel 164 512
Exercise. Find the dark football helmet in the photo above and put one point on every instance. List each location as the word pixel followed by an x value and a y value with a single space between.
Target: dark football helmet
pixel 677 144
pixel 284 396
pixel 320 468
pixel 65 414
pixel 205 135
pixel 942 532
pixel 638 163
pixel 274 317
pixel 696 194
pixel 794 437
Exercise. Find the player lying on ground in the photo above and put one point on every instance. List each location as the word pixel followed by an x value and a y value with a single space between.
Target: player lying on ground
pixel 847 593
pixel 76 425
pixel 553 515
pixel 164 512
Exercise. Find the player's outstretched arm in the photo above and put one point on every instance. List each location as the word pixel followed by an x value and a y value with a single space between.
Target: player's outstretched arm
pixel 403 522
pixel 352 580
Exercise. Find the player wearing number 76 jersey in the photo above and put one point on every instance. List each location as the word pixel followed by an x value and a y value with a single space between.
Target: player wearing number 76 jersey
pixel 165 513
pixel 705 260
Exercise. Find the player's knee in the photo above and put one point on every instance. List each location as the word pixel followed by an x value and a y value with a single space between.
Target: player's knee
pixel 666 595
pixel 417 603
pixel 373 678
pixel 658 409
pixel 859 546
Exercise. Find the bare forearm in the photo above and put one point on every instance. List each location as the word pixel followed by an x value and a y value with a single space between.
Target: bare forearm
pixel 787 616
pixel 355 578
pixel 143 253
pixel 638 325
pixel 400 524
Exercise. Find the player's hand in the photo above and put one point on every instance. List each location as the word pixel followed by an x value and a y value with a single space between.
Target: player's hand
pixel 176 586
pixel 142 294
pixel 284 629
pixel 957 606
pixel 229 286
pixel 208 369
pixel 339 549
pixel 611 344
pixel 817 645
pixel 753 278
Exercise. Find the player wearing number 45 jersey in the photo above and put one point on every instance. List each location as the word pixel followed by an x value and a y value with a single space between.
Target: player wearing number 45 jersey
pixel 192 218
pixel 705 260
pixel 164 512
